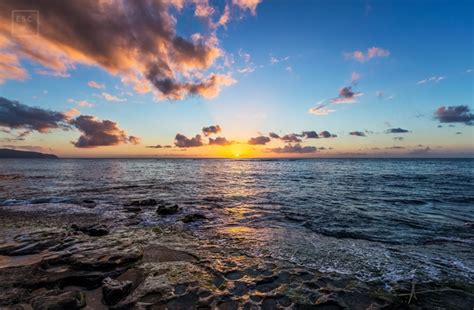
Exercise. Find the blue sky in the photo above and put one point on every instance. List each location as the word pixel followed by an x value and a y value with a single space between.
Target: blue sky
pixel 297 54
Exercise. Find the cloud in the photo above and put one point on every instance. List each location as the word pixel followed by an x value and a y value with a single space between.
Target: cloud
pixel 183 141
pixel 110 97
pixel 355 77
pixel 398 138
pixel 10 67
pixel 346 95
pixel 290 138
pixel 310 134
pixel 396 147
pixel 396 130
pixel 94 84
pixel 224 19
pixel 100 133
pixel 455 114
pixel 372 52
pixel 158 146
pixel 260 140
pixel 209 88
pixel 296 148
pixel 219 141
pixel 250 5
pixel 15 115
pixel 357 133
pixel 434 79
pixel 213 129
pixel 421 151
pixel 123 38
pixel 274 60
pixel 320 109
pixel 326 134
pixel 274 135
pixel 81 103
pixel 32 148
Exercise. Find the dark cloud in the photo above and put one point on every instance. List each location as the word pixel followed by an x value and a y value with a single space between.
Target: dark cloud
pixel 274 135
pixel 136 40
pixel 395 147
pixel 183 141
pixel 15 115
pixel 291 138
pixel 260 140
pixel 459 133
pixel 100 133
pixel 158 146
pixel 213 129
pixel 326 134
pixel 398 138
pixel 296 148
pixel 357 133
pixel 421 151
pixel 219 141
pixel 310 134
pixel 396 130
pixel 455 114
pixel 346 95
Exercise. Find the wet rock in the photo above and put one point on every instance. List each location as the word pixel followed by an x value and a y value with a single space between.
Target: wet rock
pixel 156 253
pixel 180 288
pixel 167 210
pixel 269 303
pixel 239 289
pixel 228 305
pixel 219 282
pixel 142 203
pixel 194 217
pixel 183 302
pixel 113 290
pixel 91 230
pixel 234 275
pixel 53 300
pixel 132 209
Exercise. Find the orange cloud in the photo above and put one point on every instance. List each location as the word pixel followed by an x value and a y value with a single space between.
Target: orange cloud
pixel 120 37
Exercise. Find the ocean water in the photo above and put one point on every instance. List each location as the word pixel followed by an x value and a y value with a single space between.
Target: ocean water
pixel 380 220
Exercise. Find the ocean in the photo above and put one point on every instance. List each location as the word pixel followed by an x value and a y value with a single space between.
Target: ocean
pixel 382 220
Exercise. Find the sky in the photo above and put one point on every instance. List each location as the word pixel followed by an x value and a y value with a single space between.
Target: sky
pixel 237 78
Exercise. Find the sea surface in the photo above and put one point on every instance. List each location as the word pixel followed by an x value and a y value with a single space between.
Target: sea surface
pixel 382 220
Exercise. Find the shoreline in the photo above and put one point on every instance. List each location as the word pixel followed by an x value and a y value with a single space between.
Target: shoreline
pixel 93 260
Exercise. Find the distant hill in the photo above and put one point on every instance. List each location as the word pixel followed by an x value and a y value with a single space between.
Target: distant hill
pixel 8 153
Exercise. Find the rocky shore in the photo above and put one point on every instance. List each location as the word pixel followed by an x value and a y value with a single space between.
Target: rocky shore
pixel 52 258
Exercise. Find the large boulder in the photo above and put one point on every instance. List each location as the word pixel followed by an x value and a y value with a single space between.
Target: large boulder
pixel 167 210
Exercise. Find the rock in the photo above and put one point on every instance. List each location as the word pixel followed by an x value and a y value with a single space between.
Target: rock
pixel 189 218
pixel 132 209
pixel 167 210
pixel 143 203
pixel 113 290
pixel 53 300
pixel 91 230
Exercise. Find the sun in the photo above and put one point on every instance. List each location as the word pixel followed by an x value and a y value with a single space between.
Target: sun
pixel 237 155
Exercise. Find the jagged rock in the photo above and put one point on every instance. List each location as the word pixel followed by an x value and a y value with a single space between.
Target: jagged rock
pixel 143 203
pixel 167 210
pixel 113 290
pixel 53 300
pixel 189 218
pixel 91 230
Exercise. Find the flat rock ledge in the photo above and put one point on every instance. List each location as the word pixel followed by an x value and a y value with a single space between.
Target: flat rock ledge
pixel 60 264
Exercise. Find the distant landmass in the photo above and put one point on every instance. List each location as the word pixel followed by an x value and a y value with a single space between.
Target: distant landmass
pixel 8 153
